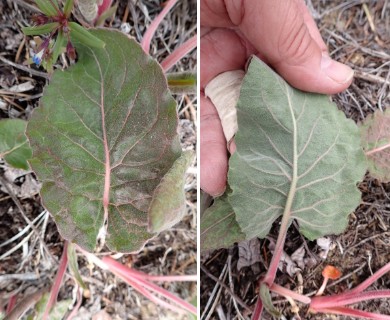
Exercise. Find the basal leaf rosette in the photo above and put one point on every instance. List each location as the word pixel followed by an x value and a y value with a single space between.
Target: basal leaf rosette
pixel 297 155
pixel 103 137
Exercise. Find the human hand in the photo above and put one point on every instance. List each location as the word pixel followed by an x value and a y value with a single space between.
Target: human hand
pixel 280 32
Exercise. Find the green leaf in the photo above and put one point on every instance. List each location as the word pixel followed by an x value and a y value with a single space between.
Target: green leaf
pixel 218 226
pixel 68 7
pixel 73 265
pixel 58 47
pixel 56 313
pixel 38 30
pixel 47 7
pixel 103 137
pixel 182 82
pixel 169 201
pixel 267 301
pixel 14 147
pixel 297 155
pixel 84 36
pixel 375 135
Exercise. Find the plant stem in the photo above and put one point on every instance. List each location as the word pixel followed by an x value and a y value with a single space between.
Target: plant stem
pixel 57 281
pixel 370 152
pixel 11 304
pixel 288 293
pixel 113 264
pixel 347 298
pixel 139 283
pixel 79 299
pixel 285 224
pixel 365 284
pixel 354 313
pixel 145 43
pixel 21 308
pixel 179 53
pixel 258 309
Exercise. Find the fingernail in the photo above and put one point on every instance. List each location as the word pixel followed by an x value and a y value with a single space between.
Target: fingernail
pixel 337 71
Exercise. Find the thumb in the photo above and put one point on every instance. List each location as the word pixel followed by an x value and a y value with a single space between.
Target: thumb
pixel 285 34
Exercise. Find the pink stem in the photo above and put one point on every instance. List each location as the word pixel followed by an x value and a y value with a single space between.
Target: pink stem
pixel 347 298
pixel 258 309
pixel 365 284
pixel 113 264
pixel 145 43
pixel 355 313
pixel 288 293
pixel 131 279
pixel 57 281
pixel 273 267
pixel 149 295
pixel 152 287
pixel 386 146
pixel 77 306
pixel 179 53
pixel 11 303
pixel 106 4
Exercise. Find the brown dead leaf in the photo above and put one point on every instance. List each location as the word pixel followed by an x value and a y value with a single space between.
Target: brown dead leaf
pixel 224 91
pixel 248 253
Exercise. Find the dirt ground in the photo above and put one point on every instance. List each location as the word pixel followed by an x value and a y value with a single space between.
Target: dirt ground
pixel 24 265
pixel 357 33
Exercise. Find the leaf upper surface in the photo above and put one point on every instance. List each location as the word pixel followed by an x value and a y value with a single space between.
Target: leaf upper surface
pixel 103 136
pixel 297 146
pixel 14 147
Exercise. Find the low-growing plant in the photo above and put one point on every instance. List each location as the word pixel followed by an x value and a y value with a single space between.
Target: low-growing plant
pixel 299 158
pixel 104 144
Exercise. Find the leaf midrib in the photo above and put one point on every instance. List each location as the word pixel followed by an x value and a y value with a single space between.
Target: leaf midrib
pixel 107 167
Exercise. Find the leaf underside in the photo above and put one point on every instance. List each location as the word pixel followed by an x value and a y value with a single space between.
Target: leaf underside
pixel 14 147
pixel 375 133
pixel 168 204
pixel 297 144
pixel 218 225
pixel 103 138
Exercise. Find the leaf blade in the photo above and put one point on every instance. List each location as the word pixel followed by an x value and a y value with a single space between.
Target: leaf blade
pixel 14 147
pixel 127 96
pixel 218 225
pixel 168 204
pixel 270 148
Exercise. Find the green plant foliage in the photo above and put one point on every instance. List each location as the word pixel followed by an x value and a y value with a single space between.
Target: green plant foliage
pixel 103 137
pixel 182 82
pixel 297 155
pixel 219 228
pixel 168 204
pixel 375 134
pixel 56 313
pixel 74 266
pixel 14 147
pixel 194 302
pixel 267 301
